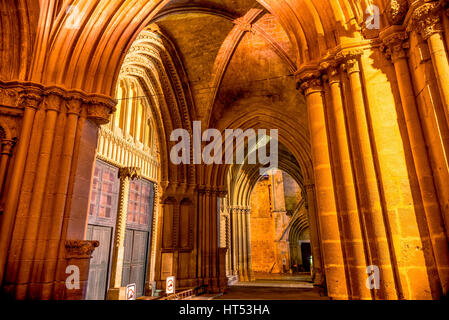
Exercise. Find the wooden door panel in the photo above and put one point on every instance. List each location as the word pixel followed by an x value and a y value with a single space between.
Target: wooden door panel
pixel 134 265
pixel 127 257
pixel 99 264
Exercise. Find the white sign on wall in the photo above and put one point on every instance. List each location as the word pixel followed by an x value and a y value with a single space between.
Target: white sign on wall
pixel 131 291
pixel 170 285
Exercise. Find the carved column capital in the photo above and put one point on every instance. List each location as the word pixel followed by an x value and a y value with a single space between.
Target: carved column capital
pixel 53 100
pixel 426 19
pixel 331 69
pixel 80 249
pixel 7 146
pixel 8 96
pixel 394 45
pixel 100 110
pixel 74 105
pixel 30 98
pixel 349 60
pixel 129 173
pixel 310 81
pixel 222 192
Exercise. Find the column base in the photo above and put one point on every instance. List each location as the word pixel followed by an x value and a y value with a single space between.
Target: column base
pixel 117 294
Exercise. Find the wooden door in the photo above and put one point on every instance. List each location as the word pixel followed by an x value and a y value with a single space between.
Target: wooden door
pixel 101 225
pixel 135 260
pixel 99 265
pixel 138 235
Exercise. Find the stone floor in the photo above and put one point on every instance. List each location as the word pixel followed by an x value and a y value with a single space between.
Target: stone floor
pixel 271 287
pixel 265 293
pixel 279 280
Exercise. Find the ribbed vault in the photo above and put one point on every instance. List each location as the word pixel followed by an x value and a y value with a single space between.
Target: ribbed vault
pixel 102 33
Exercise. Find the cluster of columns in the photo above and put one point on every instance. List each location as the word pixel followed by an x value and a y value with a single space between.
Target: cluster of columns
pixel 241 242
pixel 211 259
pixel 52 165
pixel 357 227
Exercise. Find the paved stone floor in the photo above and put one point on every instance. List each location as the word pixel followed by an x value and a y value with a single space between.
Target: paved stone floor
pixel 271 287
pixel 264 293
pixel 279 280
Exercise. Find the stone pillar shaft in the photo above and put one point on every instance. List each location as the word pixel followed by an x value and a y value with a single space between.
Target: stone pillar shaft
pixel 30 103
pixel 396 43
pixel 427 20
pixel 248 245
pixel 5 155
pixel 234 219
pixel 318 277
pixel 125 174
pixel 367 180
pixel 311 85
pixel 352 222
pixel 53 157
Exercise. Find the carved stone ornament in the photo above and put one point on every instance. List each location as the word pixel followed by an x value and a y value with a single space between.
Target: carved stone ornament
pixel 426 20
pixel 129 172
pixel 396 11
pixel 80 249
pixel 309 80
pixel 395 45
pixel 32 95
pixel 29 98
pixel 349 59
pixel 100 111
pixel 9 96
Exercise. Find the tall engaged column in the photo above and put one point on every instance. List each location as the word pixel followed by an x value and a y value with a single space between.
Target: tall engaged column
pixel 352 221
pixel 426 19
pixel 318 277
pixel 6 153
pixel 30 101
pixel 248 245
pixel 396 41
pixel 366 176
pixel 311 84
pixel 117 292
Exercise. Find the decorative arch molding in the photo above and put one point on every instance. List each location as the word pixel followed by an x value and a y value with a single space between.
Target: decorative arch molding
pixel 291 135
pixel 103 34
pixel 153 62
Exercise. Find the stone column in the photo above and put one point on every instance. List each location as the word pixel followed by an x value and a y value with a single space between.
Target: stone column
pixel 214 232
pixel 47 199
pixel 235 245
pixel 396 42
pixel 154 237
pixel 5 155
pixel 311 85
pixel 116 291
pixel 248 245
pixel 353 226
pixel 317 276
pixel 51 107
pixel 426 19
pixel 366 176
pixel 30 100
pixel 241 244
pixel 245 243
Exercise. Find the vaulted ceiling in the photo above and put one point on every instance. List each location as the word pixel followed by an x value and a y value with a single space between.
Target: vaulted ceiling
pixel 240 66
